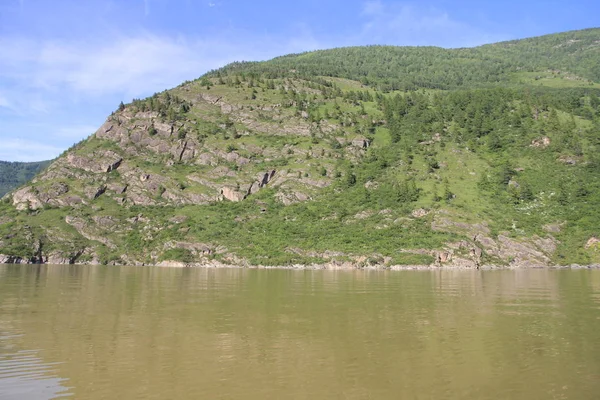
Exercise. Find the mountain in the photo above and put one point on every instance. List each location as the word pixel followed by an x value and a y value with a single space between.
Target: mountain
pixel 14 174
pixel 353 157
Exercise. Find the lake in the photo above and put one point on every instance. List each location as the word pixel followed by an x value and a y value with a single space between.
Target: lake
pixel 86 332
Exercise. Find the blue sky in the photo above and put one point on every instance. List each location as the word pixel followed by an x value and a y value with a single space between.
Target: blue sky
pixel 66 64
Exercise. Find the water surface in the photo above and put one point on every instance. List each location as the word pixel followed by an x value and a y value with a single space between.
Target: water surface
pixel 158 333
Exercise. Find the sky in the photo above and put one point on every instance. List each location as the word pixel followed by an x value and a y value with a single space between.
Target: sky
pixel 65 65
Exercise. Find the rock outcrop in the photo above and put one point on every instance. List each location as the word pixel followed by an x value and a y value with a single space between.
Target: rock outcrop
pixel 233 194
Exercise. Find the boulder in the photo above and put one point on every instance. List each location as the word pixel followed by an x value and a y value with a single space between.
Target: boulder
pixel 361 142
pixel 254 188
pixel 114 165
pixel 232 194
pixel 95 192
pixel 26 199
pixel 444 257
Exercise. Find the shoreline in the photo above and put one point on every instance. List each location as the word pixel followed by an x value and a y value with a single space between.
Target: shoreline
pixel 321 267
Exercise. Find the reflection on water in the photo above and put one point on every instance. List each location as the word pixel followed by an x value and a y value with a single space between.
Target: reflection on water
pixel 152 333
pixel 23 374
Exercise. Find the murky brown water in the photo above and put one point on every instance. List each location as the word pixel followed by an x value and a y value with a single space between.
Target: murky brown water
pixel 151 333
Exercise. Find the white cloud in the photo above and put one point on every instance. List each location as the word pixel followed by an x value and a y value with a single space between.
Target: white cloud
pixel 69 85
pixel 129 65
pixel 27 150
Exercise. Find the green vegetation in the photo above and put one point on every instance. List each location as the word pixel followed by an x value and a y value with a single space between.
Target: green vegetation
pixel 14 174
pixel 374 155
pixel 389 68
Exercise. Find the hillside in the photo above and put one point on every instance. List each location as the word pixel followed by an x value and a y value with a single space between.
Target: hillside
pixel 14 174
pixel 353 157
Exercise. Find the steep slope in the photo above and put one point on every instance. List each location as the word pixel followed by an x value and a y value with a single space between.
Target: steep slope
pixel 307 159
pixel 14 174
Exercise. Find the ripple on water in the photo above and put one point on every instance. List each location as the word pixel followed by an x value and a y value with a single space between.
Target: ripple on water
pixel 249 334
pixel 25 376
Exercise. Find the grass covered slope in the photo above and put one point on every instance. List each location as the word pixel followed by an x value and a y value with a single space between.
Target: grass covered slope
pixel 14 174
pixel 358 156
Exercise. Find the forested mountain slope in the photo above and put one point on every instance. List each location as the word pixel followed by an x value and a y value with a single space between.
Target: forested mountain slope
pixel 382 156
pixel 571 55
pixel 14 174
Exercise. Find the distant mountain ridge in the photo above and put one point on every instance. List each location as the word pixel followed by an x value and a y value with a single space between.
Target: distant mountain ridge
pixel 14 174
pixel 359 157
pixel 409 68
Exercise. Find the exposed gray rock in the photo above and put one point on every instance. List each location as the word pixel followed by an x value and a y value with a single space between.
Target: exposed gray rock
pixel 58 258
pixel 72 201
pixel 104 222
pixel 26 199
pixel 361 142
pixel 206 159
pixel 113 166
pixel 541 143
pixel 254 188
pixel 419 213
pixel 101 161
pixel 138 197
pixel 118 188
pixel 552 228
pixel 178 219
pixel 172 264
pixel 371 185
pixel 519 253
pixel 547 245
pixel 94 193
pixel 444 257
pixel 232 195
pixel 85 230
pixel 363 214
pixel 265 178
pixel 57 189
pixel 9 259
pixel 291 198
pixel 448 225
